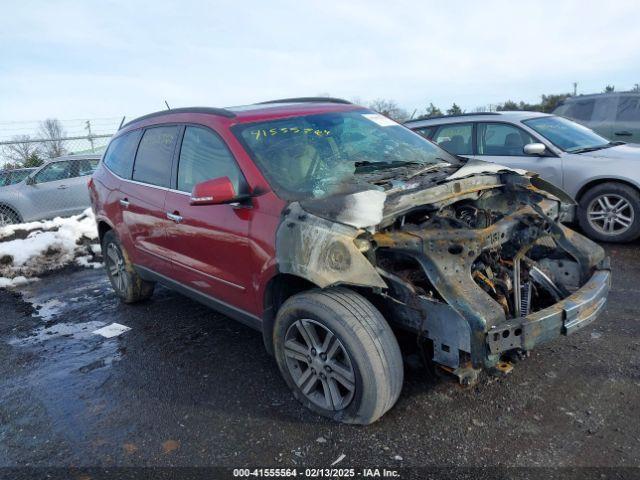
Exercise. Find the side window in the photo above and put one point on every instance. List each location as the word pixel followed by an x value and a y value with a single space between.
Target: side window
pixel 54 171
pixel 502 139
pixel 426 132
pixel 580 109
pixel 455 138
pixel 119 156
pixel 153 160
pixel 204 156
pixel 628 109
pixel 86 167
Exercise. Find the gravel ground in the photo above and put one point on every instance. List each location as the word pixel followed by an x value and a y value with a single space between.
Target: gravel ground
pixel 189 387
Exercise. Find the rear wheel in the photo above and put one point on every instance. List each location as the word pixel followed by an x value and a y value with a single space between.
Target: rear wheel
pixel 8 216
pixel 126 282
pixel 338 355
pixel 610 212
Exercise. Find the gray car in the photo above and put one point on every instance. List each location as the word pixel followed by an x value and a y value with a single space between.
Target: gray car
pixel 602 176
pixel 57 188
pixel 615 115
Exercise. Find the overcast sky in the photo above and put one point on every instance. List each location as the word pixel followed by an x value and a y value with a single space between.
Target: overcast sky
pixel 100 59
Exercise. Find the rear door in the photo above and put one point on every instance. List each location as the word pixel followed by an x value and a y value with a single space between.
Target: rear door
pixel 143 199
pixel 627 124
pixel 209 243
pixel 503 143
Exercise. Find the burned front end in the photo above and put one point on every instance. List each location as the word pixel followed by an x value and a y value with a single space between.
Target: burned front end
pixel 477 265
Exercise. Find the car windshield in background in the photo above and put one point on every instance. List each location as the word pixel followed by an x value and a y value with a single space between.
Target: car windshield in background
pixel 317 155
pixel 567 135
pixel 12 177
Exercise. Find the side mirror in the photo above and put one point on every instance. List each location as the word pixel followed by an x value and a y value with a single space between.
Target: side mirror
pixel 30 181
pixel 535 149
pixel 213 192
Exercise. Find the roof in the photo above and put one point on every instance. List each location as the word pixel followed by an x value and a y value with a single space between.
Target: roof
pixel 257 111
pixel 477 117
pixel 86 156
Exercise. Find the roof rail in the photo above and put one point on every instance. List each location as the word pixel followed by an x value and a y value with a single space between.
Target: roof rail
pixel 307 100
pixel 222 112
pixel 451 116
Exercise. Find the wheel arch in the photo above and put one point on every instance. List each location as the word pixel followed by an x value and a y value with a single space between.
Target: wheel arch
pixel 8 206
pixel 279 288
pixel 103 228
pixel 599 181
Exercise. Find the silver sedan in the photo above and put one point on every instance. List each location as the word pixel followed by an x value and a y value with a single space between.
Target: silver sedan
pixel 603 176
pixel 57 188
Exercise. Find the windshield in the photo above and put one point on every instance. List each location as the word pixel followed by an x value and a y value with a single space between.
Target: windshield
pixel 316 155
pixel 567 135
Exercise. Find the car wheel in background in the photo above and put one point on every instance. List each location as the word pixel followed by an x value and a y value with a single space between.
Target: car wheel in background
pixel 610 212
pixel 128 285
pixel 338 355
pixel 8 216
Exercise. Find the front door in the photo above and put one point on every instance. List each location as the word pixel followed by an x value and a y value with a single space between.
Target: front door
pixel 51 192
pixel 209 243
pixel 503 143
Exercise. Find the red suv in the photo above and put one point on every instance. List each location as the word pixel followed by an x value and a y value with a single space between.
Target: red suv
pixel 329 227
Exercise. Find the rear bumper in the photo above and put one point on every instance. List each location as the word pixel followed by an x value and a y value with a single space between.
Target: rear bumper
pixel 565 317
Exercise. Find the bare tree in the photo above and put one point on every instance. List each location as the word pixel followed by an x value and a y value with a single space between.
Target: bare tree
pixel 51 130
pixel 390 109
pixel 22 151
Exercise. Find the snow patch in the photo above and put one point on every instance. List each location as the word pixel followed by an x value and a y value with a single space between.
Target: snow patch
pixel 49 245
pixel 15 282
pixel 363 209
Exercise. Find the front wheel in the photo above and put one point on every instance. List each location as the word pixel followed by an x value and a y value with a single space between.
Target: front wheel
pixel 338 355
pixel 610 212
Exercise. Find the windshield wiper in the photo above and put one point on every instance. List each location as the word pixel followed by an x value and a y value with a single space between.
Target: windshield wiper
pixel 594 148
pixel 367 166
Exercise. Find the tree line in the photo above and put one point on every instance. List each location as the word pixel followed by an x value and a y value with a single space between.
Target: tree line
pixel 25 152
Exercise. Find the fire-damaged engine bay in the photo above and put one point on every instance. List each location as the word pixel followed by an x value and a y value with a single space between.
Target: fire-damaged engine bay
pixel 476 263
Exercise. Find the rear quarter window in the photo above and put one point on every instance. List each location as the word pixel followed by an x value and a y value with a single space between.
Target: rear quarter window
pixel 119 156
pixel 155 154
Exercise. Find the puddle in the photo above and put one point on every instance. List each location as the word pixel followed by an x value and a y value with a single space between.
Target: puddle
pixel 76 331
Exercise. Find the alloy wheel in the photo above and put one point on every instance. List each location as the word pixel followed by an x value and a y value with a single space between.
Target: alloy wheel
pixel 319 364
pixel 116 268
pixel 610 214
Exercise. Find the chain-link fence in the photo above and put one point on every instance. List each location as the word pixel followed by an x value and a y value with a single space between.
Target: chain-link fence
pixel 47 178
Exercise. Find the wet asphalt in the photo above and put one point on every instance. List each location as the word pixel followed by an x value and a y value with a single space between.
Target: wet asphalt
pixel 189 387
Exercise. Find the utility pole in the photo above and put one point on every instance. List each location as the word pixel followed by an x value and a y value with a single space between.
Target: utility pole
pixel 90 136
pixel 575 88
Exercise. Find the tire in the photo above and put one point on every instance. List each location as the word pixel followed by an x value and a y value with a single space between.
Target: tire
pixel 8 216
pixel 363 349
pixel 126 282
pixel 610 212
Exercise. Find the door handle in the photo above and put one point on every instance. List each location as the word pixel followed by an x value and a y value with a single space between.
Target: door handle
pixel 174 216
pixel 62 187
pixel 623 134
pixel 124 202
